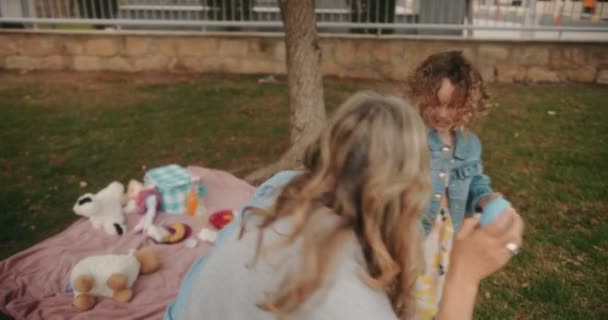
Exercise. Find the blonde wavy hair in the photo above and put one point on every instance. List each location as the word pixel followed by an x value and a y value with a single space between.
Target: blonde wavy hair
pixel 370 168
pixel 470 98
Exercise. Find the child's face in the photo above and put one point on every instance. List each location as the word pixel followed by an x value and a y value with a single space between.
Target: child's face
pixel 442 117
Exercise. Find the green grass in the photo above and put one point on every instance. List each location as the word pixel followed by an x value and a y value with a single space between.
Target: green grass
pixel 553 168
pixel 58 130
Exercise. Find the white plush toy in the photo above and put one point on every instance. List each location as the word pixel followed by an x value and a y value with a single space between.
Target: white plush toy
pixel 110 275
pixel 104 209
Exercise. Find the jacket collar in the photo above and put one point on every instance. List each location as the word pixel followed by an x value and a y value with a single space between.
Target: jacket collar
pixel 462 148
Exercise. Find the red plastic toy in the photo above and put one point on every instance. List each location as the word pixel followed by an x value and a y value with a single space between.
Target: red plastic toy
pixel 221 218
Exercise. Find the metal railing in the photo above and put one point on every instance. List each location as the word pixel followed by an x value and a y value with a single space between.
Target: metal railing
pixel 558 19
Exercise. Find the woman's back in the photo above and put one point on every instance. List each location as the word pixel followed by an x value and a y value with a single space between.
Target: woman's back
pixel 232 284
pixel 349 223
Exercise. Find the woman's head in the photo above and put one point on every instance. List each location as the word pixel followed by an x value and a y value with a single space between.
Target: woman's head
pixel 448 91
pixel 369 167
pixel 370 139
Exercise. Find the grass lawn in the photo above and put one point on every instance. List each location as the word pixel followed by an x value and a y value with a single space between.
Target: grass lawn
pixel 58 130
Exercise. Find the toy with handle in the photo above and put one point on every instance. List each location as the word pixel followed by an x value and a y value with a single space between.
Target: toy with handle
pixel 493 210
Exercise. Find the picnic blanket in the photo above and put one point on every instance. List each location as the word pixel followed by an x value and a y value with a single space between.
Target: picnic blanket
pixel 32 282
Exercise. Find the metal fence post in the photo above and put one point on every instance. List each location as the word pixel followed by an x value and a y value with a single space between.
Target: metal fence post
pixel 529 19
pixel 29 10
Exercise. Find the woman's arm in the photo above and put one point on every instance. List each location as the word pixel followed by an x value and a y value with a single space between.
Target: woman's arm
pixel 458 301
pixel 476 254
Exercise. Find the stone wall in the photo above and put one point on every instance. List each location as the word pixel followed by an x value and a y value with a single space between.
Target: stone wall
pixel 362 57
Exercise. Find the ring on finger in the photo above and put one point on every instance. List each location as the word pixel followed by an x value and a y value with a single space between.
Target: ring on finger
pixel 512 247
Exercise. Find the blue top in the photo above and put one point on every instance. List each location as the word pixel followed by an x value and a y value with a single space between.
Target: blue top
pixel 263 197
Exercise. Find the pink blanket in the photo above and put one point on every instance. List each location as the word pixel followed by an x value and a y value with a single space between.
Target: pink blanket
pixel 32 282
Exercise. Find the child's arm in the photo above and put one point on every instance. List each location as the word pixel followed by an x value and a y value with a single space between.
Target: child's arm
pixel 480 190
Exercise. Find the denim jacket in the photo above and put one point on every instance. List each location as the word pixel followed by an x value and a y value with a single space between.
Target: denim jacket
pixel 463 171
pixel 467 183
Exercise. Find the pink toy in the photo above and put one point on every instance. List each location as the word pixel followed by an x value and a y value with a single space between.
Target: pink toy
pixel 143 200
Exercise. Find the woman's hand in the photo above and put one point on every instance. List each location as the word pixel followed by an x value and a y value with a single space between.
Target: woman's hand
pixel 479 252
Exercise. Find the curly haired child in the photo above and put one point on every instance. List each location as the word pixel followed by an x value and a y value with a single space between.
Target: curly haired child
pixel 451 97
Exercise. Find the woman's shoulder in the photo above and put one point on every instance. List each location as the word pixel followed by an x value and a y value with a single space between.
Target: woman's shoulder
pixel 345 295
pixel 265 193
pixel 279 179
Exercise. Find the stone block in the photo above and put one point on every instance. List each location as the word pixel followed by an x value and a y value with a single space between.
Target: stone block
pixel 221 65
pixel 190 64
pixel 490 54
pixel 150 63
pixel 585 74
pixel 164 46
pixel 73 47
pixel 510 73
pixel 102 47
pixel 567 56
pixel 8 46
pixel 38 46
pixel 196 47
pixel 86 63
pixel 136 46
pixel 21 63
pixel 55 63
pixel 346 52
pixel 530 56
pixel 542 74
pixel 259 67
pixel 236 48
pixel 119 64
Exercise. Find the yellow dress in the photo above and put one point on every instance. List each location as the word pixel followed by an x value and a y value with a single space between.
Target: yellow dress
pixel 429 285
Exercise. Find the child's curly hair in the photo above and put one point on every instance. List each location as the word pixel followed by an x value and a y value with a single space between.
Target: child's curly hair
pixel 469 97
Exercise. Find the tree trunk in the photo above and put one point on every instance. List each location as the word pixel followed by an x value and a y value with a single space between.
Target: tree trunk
pixel 304 83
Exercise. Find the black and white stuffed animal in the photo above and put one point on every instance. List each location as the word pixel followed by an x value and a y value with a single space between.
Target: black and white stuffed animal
pixel 104 209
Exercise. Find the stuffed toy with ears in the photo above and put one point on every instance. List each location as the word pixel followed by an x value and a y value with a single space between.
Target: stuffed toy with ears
pixel 104 209
pixel 110 275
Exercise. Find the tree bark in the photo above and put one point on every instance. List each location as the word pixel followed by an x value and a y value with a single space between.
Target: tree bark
pixel 304 83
